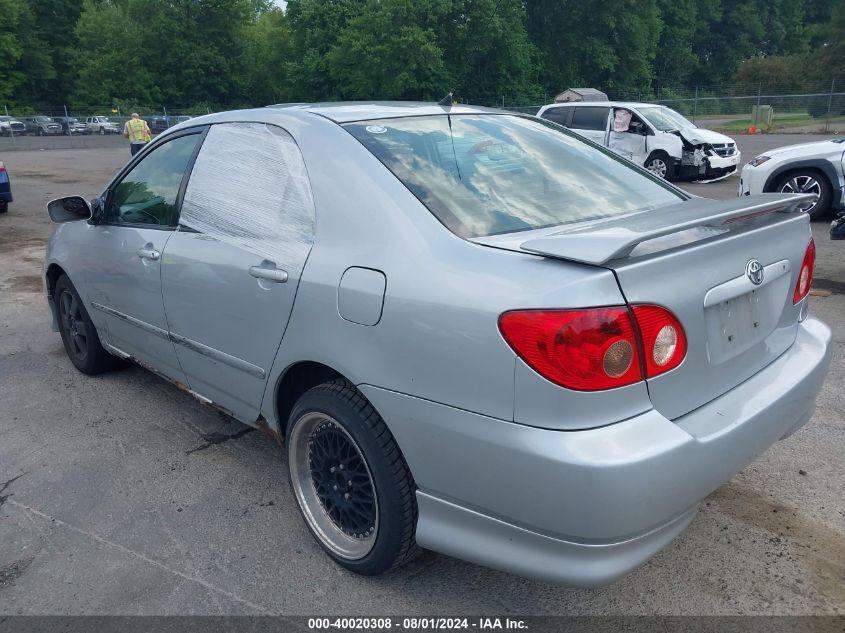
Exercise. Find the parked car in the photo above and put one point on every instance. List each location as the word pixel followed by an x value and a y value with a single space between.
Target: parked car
pixel 101 125
pixel 5 188
pixel 10 125
pixel 41 126
pixel 461 345
pixel 70 125
pixel 657 137
pixel 815 168
pixel 159 124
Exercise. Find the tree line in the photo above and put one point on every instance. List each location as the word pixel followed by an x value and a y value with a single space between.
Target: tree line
pixel 233 53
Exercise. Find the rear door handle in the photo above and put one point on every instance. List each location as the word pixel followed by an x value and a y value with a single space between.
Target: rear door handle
pixel 148 252
pixel 273 274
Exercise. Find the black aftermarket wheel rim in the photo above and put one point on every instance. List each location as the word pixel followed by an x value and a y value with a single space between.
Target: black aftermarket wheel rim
pixel 73 325
pixel 333 485
pixel 341 480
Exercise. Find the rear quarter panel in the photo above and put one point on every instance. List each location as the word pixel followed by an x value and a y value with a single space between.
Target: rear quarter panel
pixel 438 337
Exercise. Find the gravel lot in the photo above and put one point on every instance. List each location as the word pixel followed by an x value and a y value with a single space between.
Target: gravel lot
pixel 120 494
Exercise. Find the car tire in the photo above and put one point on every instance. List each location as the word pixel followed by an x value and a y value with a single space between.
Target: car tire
pixel 660 165
pixel 80 338
pixel 808 181
pixel 350 480
pixel 4 207
pixel 102 131
pixel 40 132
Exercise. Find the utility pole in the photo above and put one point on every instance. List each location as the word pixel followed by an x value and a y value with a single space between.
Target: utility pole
pixel 695 106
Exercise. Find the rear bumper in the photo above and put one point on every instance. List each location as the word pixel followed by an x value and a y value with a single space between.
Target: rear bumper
pixel 585 507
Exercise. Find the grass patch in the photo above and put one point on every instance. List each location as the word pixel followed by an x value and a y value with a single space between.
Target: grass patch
pixel 779 122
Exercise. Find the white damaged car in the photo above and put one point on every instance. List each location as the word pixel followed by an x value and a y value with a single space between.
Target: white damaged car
pixel 815 168
pixel 654 136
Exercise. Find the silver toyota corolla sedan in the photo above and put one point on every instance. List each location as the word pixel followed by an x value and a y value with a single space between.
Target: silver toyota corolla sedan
pixel 473 331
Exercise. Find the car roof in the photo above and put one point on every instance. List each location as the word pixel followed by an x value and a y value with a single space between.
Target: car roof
pixel 347 111
pixel 615 104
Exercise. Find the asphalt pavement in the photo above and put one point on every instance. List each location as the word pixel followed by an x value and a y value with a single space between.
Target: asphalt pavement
pixel 120 494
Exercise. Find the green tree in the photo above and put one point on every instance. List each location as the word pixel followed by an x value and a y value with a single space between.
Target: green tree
pixel 48 39
pixel 316 26
pixel 487 51
pixel 676 59
pixel 10 48
pixel 731 32
pixel 267 55
pixel 609 45
pixel 108 63
pixel 364 63
pixel 35 64
pixel 174 53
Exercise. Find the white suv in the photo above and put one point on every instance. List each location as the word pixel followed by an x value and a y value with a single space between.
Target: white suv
pixel 101 125
pixel 805 168
pixel 651 135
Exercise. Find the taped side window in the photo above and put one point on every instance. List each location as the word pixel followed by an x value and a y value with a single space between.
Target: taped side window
pixel 249 188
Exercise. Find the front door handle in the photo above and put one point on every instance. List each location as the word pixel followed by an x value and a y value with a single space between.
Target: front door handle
pixel 273 274
pixel 148 252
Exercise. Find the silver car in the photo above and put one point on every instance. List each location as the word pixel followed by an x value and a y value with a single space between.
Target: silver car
pixel 473 331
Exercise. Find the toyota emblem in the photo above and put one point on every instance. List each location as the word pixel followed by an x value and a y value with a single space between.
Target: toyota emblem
pixel 754 270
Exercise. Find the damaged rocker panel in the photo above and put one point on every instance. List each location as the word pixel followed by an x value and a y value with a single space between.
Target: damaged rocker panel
pixel 199 348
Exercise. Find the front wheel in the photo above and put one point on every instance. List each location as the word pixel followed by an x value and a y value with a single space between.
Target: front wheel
pixel 102 131
pixel 350 480
pixel 808 182
pixel 79 335
pixel 658 164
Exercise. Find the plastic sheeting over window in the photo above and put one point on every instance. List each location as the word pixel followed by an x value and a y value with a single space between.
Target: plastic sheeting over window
pixel 249 188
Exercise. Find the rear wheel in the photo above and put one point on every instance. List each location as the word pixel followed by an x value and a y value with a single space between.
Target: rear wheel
pixel 4 206
pixel 40 132
pixel 350 480
pixel 808 181
pixel 79 335
pixel 658 163
pixel 102 131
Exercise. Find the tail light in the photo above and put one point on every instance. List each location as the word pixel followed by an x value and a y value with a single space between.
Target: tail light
pixel 664 342
pixel 2 166
pixel 596 348
pixel 805 275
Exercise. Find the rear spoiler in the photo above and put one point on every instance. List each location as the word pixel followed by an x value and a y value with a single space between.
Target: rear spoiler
pixel 616 238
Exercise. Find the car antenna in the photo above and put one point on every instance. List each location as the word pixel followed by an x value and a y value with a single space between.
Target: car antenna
pixel 446 101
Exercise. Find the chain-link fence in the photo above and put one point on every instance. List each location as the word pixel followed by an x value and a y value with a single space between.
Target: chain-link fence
pixel 733 108
pixel 768 107
pixel 41 120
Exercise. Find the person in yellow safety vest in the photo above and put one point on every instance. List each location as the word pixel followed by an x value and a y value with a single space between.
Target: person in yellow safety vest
pixel 138 133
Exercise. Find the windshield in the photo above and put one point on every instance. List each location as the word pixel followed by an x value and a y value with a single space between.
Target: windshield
pixel 489 174
pixel 665 119
pixel 43 118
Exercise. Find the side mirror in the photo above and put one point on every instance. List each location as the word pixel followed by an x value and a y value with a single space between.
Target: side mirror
pixel 69 209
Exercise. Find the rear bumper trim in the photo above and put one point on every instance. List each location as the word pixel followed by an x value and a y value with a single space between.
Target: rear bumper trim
pixel 457 531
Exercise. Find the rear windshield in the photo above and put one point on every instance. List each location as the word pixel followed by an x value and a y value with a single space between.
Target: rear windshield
pixel 489 174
